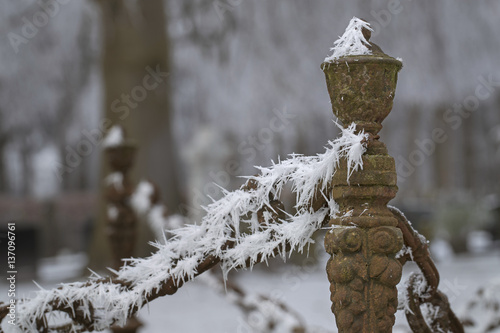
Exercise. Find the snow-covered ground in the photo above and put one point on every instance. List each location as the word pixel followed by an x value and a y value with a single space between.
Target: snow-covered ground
pixel 194 308
pixel 197 308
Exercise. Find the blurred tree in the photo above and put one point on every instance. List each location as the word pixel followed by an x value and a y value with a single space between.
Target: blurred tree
pixel 136 69
pixel 41 80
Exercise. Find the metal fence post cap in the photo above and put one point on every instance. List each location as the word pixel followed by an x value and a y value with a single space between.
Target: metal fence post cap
pixel 121 154
pixel 362 87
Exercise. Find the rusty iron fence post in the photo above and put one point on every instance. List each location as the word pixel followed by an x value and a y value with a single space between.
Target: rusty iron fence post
pixel 121 226
pixel 121 219
pixel 363 271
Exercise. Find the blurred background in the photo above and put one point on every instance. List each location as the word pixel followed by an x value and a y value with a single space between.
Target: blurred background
pixel 210 88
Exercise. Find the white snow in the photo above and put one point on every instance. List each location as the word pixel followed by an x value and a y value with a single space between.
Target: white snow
pixel 306 291
pixel 115 179
pixel 420 288
pixel 441 249
pixel 352 42
pixel 64 266
pixel 158 221
pixel 266 312
pixel 112 212
pixel 154 214
pixel 141 198
pixel 479 241
pixel 483 308
pixel 404 251
pixel 115 137
pixel 261 313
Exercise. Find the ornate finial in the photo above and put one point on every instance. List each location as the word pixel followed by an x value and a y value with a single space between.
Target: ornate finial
pixel 360 78
pixel 119 148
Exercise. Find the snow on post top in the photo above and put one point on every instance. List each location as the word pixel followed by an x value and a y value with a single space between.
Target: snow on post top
pixel 115 137
pixel 352 42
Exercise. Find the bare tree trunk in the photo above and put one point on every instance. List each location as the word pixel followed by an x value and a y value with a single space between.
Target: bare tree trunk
pixel 135 66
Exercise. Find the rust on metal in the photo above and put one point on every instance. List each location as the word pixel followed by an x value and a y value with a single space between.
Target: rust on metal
pixel 366 235
pixel 443 318
pixel 363 271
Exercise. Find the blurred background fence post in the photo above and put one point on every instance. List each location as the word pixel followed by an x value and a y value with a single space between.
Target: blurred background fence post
pixel 121 226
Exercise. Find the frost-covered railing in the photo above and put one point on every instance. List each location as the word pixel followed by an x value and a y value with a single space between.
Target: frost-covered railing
pixel 345 189
pixel 102 301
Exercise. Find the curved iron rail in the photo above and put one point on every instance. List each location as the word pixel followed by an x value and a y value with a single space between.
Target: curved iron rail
pixel 443 319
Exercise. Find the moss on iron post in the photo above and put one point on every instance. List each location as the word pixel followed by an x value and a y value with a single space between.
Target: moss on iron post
pixel 363 271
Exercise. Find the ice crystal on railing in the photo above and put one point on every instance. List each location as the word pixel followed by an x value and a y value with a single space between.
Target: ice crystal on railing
pixel 352 42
